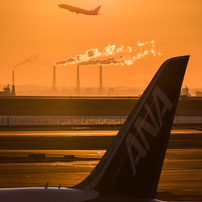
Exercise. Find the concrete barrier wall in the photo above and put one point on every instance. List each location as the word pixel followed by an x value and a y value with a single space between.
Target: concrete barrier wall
pixel 42 106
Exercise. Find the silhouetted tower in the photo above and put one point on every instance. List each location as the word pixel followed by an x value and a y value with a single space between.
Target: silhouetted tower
pixel 54 79
pixel 78 81
pixel 13 84
pixel 100 78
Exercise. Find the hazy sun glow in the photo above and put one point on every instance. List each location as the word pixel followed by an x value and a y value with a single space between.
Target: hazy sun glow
pixel 140 34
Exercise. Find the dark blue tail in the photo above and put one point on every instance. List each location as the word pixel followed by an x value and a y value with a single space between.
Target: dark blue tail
pixel 133 162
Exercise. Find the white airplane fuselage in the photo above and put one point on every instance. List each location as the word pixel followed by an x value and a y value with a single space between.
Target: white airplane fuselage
pixel 59 195
pixel 79 10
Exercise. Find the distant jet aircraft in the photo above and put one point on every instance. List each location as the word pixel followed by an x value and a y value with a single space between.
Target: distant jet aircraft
pixel 131 167
pixel 80 10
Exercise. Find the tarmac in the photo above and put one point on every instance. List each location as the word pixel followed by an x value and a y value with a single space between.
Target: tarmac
pixel 30 159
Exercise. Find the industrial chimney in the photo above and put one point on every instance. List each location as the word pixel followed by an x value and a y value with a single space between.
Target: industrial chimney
pixel 78 81
pixel 54 79
pixel 13 84
pixel 100 79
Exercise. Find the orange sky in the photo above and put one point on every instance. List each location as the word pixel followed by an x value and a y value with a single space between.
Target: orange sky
pixel 40 29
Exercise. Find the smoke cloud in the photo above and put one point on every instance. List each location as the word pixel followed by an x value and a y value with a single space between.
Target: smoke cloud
pixel 111 55
pixel 103 62
pixel 28 60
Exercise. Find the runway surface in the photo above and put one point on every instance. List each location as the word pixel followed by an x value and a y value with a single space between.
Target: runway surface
pixel 181 177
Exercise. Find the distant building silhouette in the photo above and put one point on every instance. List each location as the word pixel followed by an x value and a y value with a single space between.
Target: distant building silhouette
pixel 6 90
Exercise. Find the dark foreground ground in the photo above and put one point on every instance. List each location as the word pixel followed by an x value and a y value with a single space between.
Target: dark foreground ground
pixel 68 159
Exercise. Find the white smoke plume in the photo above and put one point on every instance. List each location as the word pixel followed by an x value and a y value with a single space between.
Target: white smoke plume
pixel 113 55
pixel 33 58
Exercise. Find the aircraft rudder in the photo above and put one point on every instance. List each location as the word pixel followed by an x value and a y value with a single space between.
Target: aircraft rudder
pixel 133 162
pixel 96 10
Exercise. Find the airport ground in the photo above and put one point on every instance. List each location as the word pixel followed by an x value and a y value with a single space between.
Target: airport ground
pixel 67 157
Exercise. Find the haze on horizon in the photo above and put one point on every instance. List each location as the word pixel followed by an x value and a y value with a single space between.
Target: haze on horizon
pixel 37 34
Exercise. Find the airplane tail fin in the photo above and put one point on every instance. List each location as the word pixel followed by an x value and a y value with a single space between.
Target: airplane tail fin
pixel 96 10
pixel 133 162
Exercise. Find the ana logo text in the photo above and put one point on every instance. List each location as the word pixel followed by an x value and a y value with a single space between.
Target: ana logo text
pixel 152 129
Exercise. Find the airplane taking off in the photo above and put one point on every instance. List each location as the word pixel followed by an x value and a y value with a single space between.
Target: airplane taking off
pixel 131 167
pixel 80 10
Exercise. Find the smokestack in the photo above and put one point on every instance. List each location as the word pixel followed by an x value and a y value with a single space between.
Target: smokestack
pixel 100 78
pixel 78 81
pixel 54 79
pixel 13 84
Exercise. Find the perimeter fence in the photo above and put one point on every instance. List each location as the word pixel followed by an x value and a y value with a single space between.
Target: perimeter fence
pixel 81 120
